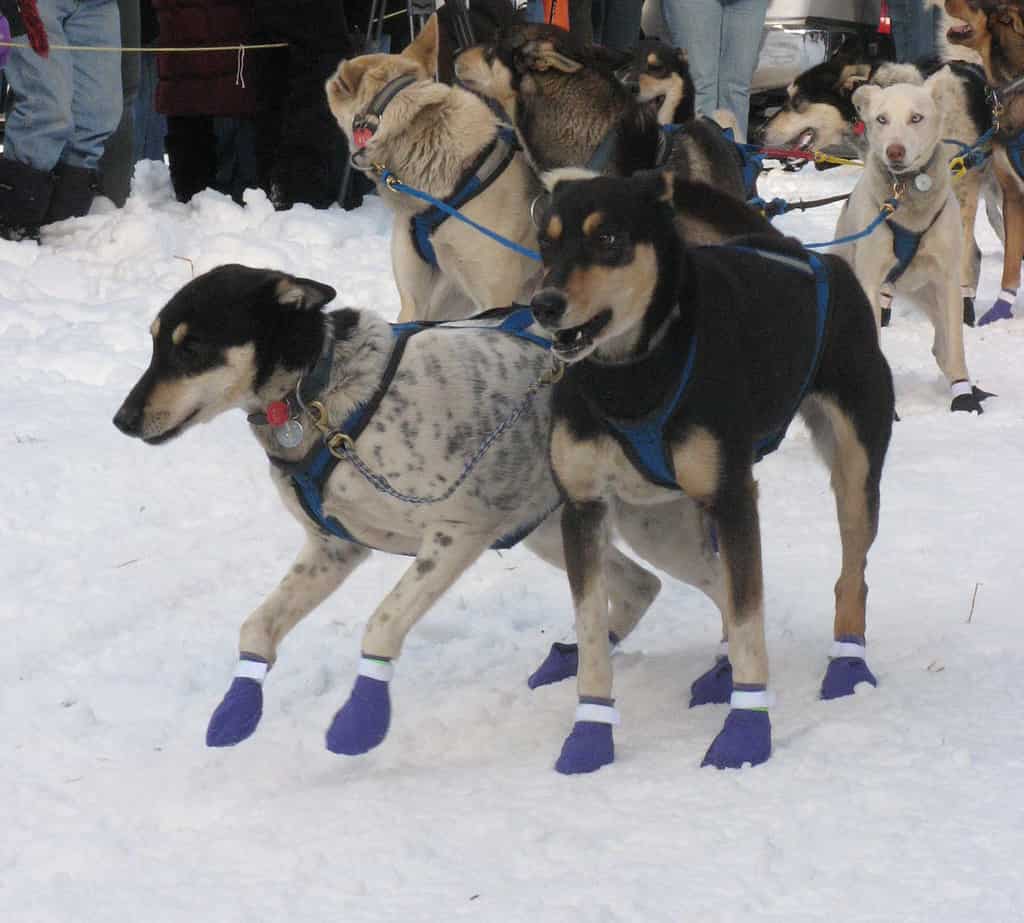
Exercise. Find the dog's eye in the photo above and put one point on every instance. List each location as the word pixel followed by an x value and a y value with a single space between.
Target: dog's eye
pixel 489 53
pixel 608 241
pixel 916 117
pixel 882 120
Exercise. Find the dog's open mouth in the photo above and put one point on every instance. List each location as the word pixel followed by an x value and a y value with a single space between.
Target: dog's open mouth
pixel 960 33
pixel 571 343
pixel 169 434
pixel 804 140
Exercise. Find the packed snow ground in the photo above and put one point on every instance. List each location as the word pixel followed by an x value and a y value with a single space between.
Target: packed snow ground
pixel 129 570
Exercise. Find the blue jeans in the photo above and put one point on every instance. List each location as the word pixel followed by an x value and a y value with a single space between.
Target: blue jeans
pixel 617 23
pixel 150 125
pixel 722 39
pixel 914 30
pixel 68 104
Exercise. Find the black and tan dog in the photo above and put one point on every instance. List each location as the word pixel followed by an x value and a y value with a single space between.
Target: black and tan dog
pixel 570 109
pixel 686 366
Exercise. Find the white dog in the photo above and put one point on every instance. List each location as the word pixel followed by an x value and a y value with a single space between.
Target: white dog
pixel 915 250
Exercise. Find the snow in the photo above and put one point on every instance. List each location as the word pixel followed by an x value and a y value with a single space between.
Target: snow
pixel 129 570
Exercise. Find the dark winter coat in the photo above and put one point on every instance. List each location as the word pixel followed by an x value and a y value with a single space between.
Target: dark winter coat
pixel 206 83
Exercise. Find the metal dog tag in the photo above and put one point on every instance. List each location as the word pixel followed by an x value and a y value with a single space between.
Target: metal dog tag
pixel 922 182
pixel 289 435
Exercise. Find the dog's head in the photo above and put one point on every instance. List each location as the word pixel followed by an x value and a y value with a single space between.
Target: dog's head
pixel 904 122
pixel 357 81
pixel 217 342
pixel 970 29
pixel 610 251
pixel 818 112
pixel 662 75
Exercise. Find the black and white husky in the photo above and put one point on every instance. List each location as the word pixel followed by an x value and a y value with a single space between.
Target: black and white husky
pixel 374 432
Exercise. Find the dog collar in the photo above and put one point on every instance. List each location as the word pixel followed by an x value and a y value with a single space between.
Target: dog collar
pixel 365 124
pixel 282 415
pixel 919 179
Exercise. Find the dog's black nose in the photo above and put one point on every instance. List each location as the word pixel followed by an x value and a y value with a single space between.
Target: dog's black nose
pixel 128 419
pixel 548 305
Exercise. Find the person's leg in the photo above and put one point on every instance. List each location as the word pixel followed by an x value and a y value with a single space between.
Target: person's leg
pixel 191 153
pixel 96 97
pixel 914 29
pixel 39 123
pixel 580 24
pixel 742 31
pixel 620 25
pixel 118 160
pixel 696 26
pixel 149 125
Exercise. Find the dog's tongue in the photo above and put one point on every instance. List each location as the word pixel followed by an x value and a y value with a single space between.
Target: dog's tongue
pixel 959 31
pixel 361 137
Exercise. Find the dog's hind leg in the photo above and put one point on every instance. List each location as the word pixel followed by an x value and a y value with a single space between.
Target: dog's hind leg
pixel 679 538
pixel 854 450
pixel 321 567
pixel 1013 245
pixel 746 735
pixel 631 590
pixel 362 722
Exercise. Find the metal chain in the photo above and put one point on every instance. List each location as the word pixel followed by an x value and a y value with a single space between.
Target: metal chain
pixel 342 446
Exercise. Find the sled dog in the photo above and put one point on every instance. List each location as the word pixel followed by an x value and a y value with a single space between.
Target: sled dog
pixel 685 365
pixel 909 252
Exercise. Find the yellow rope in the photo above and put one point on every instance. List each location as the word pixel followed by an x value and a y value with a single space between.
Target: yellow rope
pixel 840 161
pixel 119 49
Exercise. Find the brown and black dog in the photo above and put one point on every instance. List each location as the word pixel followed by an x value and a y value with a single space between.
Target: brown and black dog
pixel 996 32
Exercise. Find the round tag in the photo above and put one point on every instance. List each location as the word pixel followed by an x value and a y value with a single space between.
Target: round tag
pixel 290 435
pixel 922 182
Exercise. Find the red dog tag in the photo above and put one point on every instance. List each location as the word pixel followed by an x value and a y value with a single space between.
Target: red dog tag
pixel 858 128
pixel 278 413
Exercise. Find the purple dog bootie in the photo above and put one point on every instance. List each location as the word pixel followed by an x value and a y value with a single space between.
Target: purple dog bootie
pixel 847 668
pixel 1002 308
pixel 746 736
pixel 240 710
pixel 562 662
pixel 715 686
pixel 362 722
pixel 589 745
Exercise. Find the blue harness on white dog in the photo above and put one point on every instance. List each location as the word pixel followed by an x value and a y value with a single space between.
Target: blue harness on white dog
pixel 905 244
pixel 644 441
pixel 309 476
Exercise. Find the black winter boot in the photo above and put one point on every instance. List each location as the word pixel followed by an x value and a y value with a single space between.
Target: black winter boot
pixel 73 192
pixel 24 198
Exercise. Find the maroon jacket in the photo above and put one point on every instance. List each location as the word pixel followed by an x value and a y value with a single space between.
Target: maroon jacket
pixel 205 83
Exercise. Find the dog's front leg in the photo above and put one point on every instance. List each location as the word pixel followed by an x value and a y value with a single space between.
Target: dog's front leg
pixel 362 722
pixel 321 567
pixel 746 734
pixel 585 533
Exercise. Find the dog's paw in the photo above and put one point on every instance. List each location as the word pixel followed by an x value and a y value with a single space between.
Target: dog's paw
pixel 587 748
pixel 970 403
pixel 968 311
pixel 746 737
pixel 561 663
pixel 843 676
pixel 713 687
pixel 1001 310
pixel 238 714
pixel 362 722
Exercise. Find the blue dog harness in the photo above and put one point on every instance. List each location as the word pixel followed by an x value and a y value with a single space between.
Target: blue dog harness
pixel 489 165
pixel 905 244
pixel 644 440
pixel 1014 148
pixel 309 476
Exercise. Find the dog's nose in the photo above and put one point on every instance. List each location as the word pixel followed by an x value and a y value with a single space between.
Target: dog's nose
pixel 895 152
pixel 128 419
pixel 548 305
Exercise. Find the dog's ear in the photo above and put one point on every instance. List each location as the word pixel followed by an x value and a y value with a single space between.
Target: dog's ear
pixel 540 55
pixel 553 178
pixel 346 79
pixel 864 98
pixel 655 185
pixel 942 86
pixel 424 49
pixel 302 294
pixel 682 58
pixel 852 76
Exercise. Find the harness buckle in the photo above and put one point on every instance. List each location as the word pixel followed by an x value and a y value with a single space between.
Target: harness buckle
pixel 339 443
pixel 958 166
pixel 555 373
